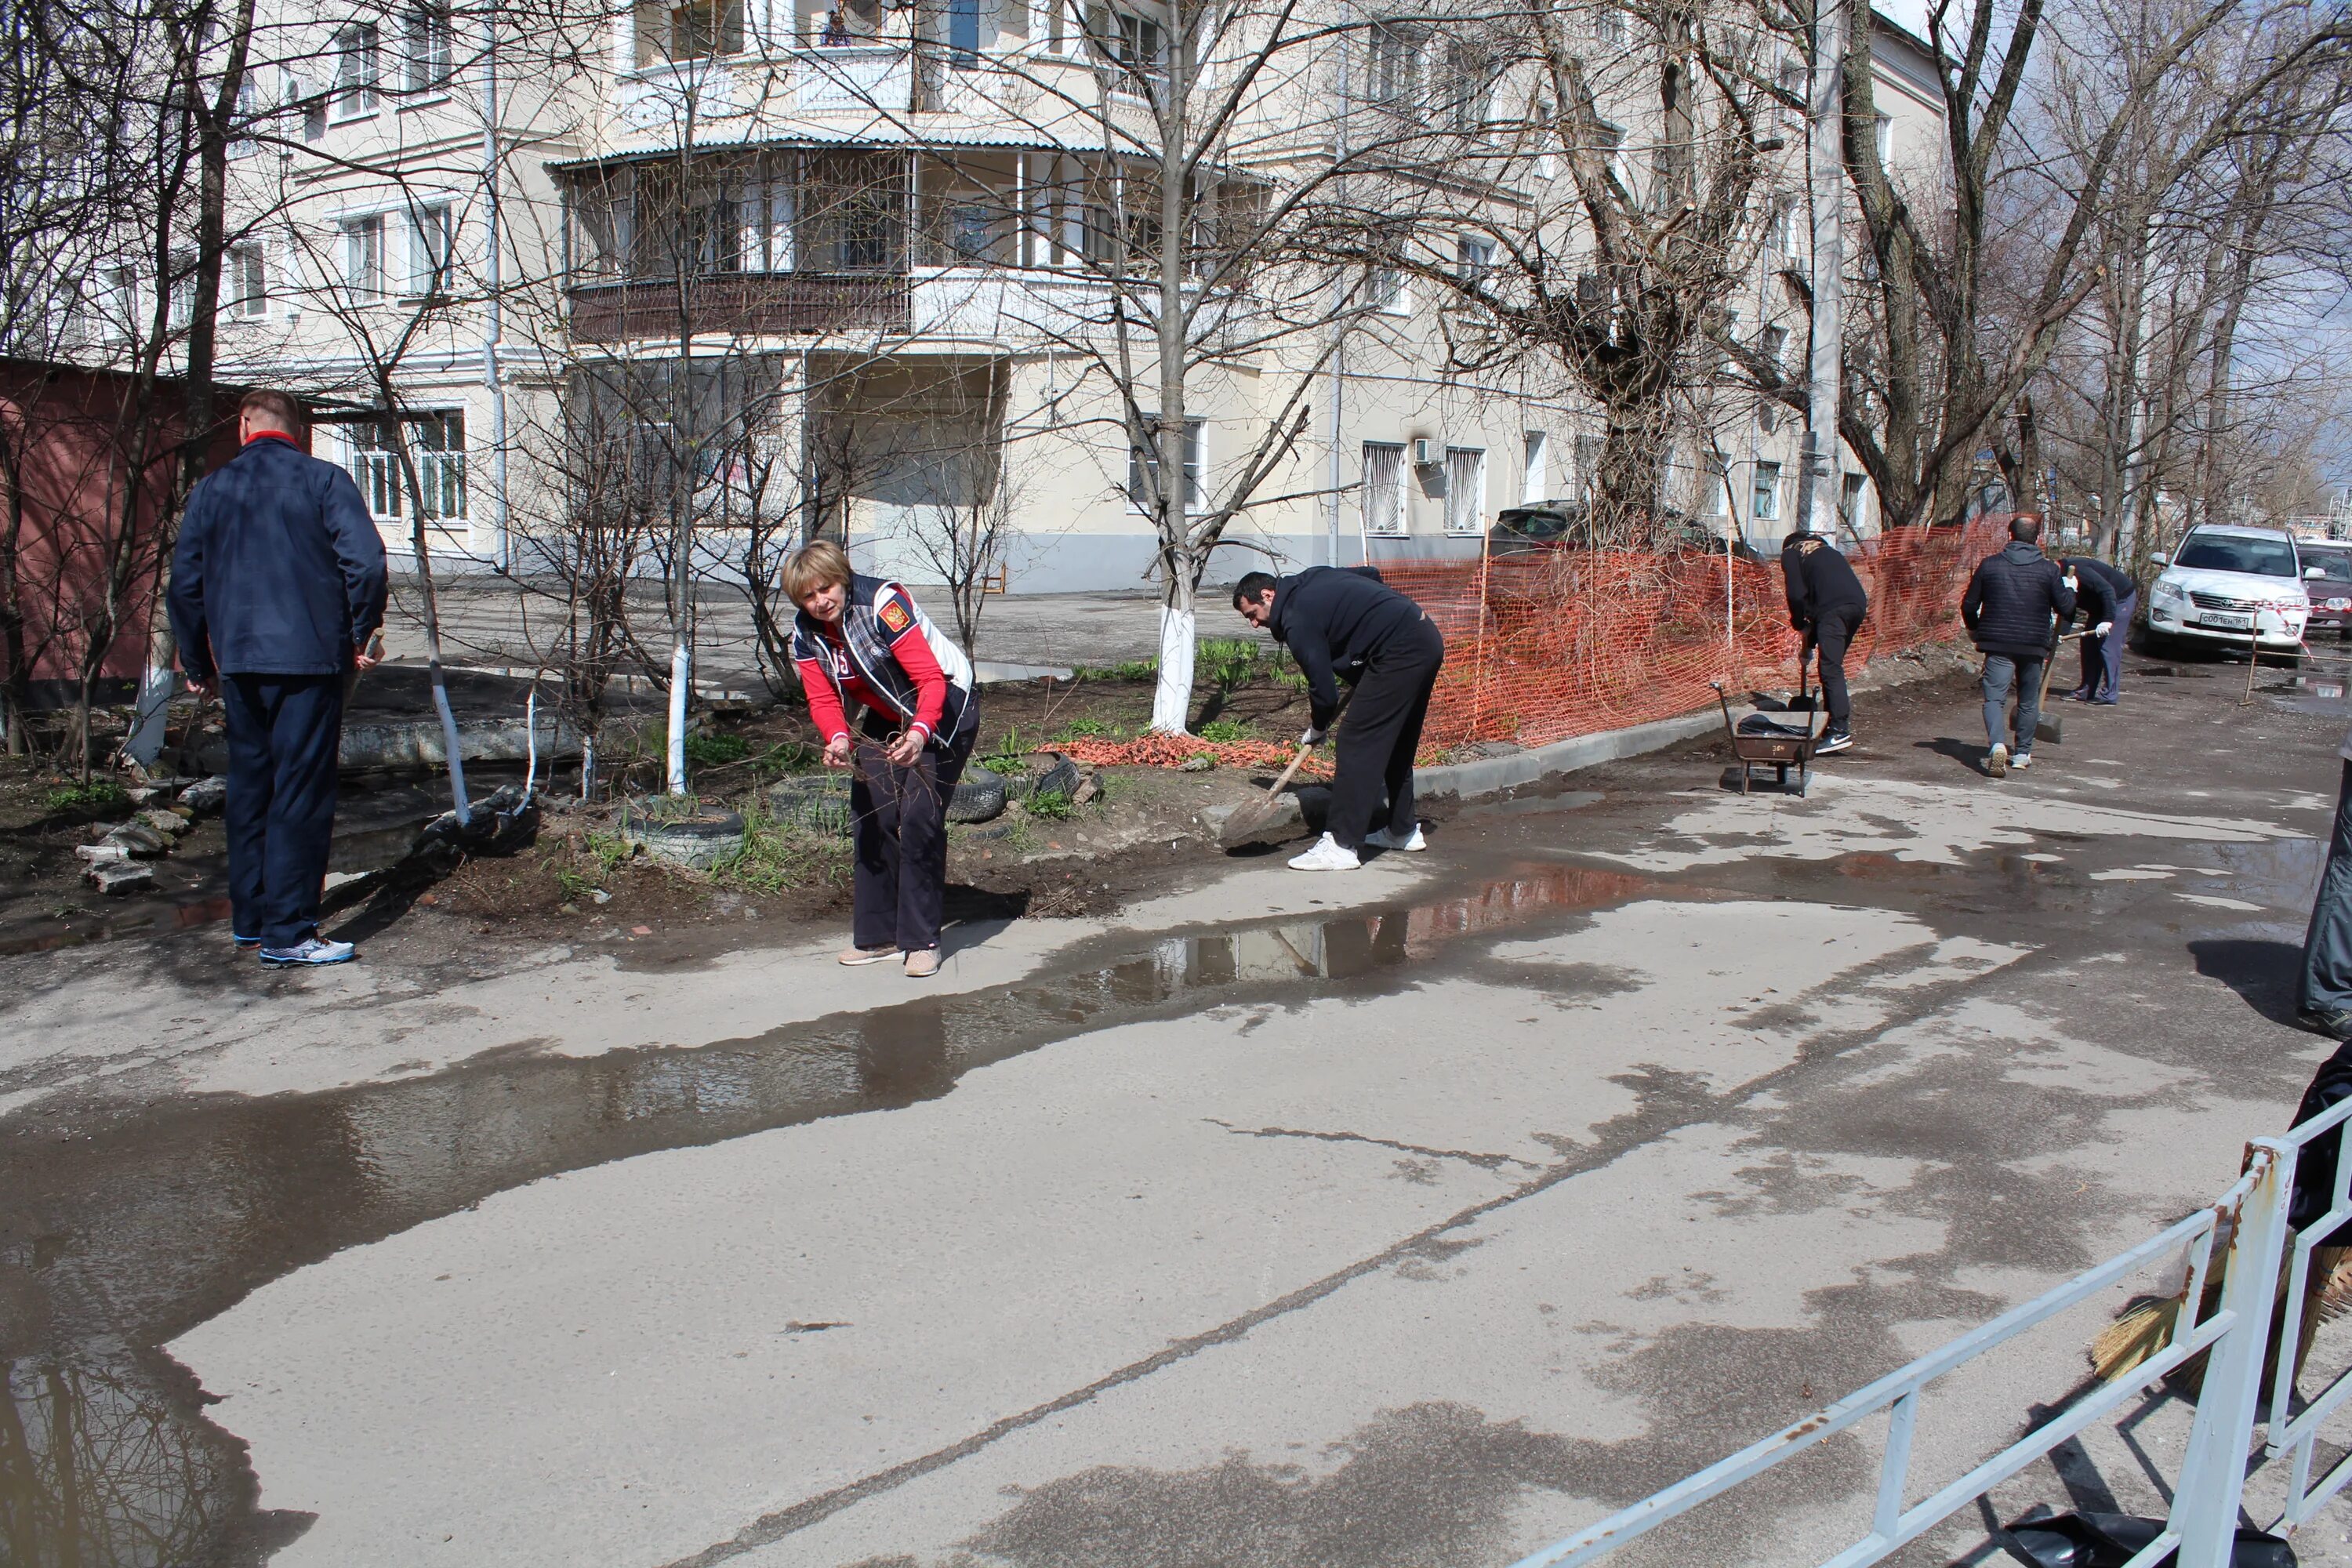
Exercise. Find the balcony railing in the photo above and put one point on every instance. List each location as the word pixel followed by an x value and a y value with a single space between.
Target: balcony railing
pixel 762 304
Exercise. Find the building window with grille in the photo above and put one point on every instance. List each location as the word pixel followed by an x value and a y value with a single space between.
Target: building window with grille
pixel 436 445
pixel 1535 477
pixel 427 52
pixel 248 282
pixel 1764 494
pixel 357 70
pixel 1135 45
pixel 1465 489
pixel 1383 501
pixel 1393 64
pixel 363 257
pixel 1143 464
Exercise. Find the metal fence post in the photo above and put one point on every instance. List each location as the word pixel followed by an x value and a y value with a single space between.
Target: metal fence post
pixel 2213 1471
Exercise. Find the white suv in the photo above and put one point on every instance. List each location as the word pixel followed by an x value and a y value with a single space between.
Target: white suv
pixel 2228 586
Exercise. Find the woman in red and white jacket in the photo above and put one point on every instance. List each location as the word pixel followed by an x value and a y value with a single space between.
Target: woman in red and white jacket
pixel 861 642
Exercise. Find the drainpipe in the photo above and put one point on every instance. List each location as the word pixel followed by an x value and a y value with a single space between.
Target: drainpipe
pixel 1338 372
pixel 501 555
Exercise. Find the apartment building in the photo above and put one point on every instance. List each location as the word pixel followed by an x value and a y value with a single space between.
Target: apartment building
pixel 869 269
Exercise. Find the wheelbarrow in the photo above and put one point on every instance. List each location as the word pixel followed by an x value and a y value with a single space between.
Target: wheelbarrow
pixel 1759 739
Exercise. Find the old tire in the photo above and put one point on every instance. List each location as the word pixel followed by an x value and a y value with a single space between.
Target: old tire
pixel 979 796
pixel 699 842
pixel 818 802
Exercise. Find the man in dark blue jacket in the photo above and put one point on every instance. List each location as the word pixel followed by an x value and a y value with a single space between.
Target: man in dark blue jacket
pixel 2014 608
pixel 276 586
pixel 1344 621
pixel 2109 597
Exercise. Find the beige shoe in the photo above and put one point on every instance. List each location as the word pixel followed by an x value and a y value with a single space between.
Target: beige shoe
pixel 867 954
pixel 924 965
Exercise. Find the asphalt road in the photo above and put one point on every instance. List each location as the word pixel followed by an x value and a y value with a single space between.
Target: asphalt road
pixel 1405 1219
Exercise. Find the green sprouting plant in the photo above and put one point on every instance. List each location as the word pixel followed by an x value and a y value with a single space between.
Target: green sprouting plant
pixel 706 749
pixel 1126 669
pixel 573 885
pixel 99 798
pixel 776 856
pixel 1228 663
pixel 1051 805
pixel 609 850
pixel 1224 731
pixel 1011 754
pixel 1088 729
pixel 790 757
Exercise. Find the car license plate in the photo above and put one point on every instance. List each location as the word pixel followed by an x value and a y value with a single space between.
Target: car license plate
pixel 2229 623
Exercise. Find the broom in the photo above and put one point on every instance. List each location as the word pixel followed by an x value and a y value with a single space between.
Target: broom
pixel 2148 1324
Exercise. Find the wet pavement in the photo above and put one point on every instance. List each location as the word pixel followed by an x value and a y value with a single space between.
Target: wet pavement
pixel 1411 1217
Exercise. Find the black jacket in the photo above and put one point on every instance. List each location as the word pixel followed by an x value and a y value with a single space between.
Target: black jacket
pixel 2314 1172
pixel 280 568
pixel 1819 579
pixel 1333 618
pixel 2016 603
pixel 2101 588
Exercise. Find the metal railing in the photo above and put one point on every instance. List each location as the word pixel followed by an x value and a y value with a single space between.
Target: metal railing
pixel 2252 1220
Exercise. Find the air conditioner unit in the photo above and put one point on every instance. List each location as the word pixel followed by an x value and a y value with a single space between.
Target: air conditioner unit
pixel 1425 452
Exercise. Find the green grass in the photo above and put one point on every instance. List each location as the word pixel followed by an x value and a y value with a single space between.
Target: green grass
pixel 1126 669
pixel 99 798
pixel 1051 805
pixel 573 885
pixel 1224 731
pixel 707 749
pixel 1011 755
pixel 1089 730
pixel 608 849
pixel 777 856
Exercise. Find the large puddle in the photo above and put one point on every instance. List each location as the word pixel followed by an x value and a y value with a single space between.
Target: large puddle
pixel 114 1241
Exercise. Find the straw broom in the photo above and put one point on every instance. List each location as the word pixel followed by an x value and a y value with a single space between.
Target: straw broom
pixel 2146 1326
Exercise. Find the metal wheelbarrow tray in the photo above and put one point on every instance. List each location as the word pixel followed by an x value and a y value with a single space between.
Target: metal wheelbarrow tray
pixel 1761 739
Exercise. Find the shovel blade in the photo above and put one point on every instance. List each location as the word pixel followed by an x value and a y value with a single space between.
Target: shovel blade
pixel 2050 727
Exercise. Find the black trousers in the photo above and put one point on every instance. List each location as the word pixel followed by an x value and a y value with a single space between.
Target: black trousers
pixel 1833 635
pixel 284 732
pixel 2327 982
pixel 899 878
pixel 1380 734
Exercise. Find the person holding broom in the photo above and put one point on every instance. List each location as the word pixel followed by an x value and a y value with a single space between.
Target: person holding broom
pixel 1338 619
pixel 862 641
pixel 1826 605
pixel 2015 606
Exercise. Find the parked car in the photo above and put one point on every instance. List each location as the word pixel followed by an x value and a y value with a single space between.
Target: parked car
pixel 2227 586
pixel 2327 579
pixel 1567 525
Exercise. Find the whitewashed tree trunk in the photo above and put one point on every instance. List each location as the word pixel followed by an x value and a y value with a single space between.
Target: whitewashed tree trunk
pixel 145 742
pixel 681 671
pixel 1172 699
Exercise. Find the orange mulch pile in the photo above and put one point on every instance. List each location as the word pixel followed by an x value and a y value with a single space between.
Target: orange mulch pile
pixel 1174 751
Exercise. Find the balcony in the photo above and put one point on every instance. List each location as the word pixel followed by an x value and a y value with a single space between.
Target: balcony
pixel 755 303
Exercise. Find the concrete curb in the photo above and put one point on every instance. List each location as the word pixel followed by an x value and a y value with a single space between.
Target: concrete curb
pixel 1493 775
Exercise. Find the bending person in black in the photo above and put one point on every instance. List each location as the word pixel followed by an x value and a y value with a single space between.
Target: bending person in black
pixel 1344 622
pixel 2108 596
pixel 1826 603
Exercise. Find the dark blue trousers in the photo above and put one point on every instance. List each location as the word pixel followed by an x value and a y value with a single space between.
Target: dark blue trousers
pixel 284 732
pixel 2327 982
pixel 2102 658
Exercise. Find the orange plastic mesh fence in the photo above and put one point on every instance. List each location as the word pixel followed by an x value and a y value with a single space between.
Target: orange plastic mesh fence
pixel 1548 644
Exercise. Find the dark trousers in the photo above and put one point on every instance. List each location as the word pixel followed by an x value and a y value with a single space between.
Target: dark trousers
pixel 284 732
pixel 2328 946
pixel 2102 658
pixel 2001 672
pixel 1833 635
pixel 1380 734
pixel 899 878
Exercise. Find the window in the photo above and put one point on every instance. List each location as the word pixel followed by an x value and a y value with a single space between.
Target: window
pixel 700 30
pixel 963 32
pixel 970 234
pixel 428 249
pixel 249 283
pixel 1764 495
pixel 436 445
pixel 1134 43
pixel 363 257
pixel 428 29
pixel 1469 87
pixel 1610 141
pixel 1388 292
pixel 1884 134
pixel 1392 65
pixel 1384 489
pixel 356 71
pixel 1609 26
pixel 1143 464
pixel 1850 502
pixel 248 113
pixel 1782 229
pixel 1465 489
pixel 118 291
pixel 1535 475
pixel 1714 487
pixel 1771 344
pixel 1476 257
pixel 2254 557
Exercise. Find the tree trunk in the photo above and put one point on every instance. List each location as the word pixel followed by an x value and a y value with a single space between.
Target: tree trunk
pixel 1172 698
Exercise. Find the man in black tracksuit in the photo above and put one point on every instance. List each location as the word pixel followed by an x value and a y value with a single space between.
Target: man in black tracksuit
pixel 2109 597
pixel 1826 603
pixel 2014 608
pixel 1345 623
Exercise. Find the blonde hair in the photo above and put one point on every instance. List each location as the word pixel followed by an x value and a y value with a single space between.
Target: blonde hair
pixel 814 567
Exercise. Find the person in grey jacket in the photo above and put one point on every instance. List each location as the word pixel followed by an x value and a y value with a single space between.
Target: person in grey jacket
pixel 2323 1000
pixel 2014 608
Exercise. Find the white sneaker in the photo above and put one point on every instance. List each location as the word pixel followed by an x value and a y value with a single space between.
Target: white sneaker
pixel 2022 760
pixel 310 953
pixel 1411 844
pixel 1997 761
pixel 1327 855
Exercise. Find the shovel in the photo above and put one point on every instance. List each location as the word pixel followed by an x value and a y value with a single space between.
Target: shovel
pixel 1251 816
pixel 2050 726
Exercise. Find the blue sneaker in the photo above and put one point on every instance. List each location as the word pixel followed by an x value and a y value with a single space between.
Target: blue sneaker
pixel 310 952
